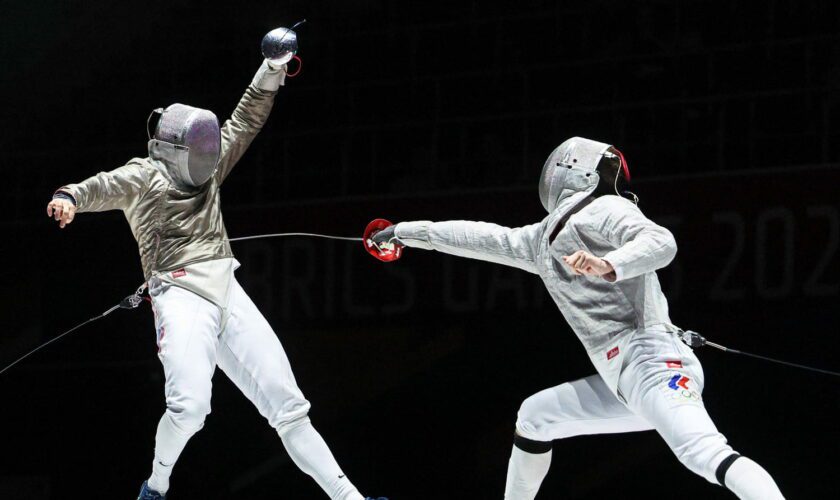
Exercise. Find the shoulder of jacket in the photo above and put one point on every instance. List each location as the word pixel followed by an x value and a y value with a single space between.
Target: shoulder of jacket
pixel 609 202
pixel 145 167
pixel 141 162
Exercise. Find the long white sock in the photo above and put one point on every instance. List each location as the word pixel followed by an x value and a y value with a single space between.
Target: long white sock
pixel 311 454
pixel 749 481
pixel 526 472
pixel 169 443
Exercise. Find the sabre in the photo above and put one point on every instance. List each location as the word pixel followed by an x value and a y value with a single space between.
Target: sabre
pixel 280 235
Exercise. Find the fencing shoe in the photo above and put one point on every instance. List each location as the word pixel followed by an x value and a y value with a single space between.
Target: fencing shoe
pixel 147 493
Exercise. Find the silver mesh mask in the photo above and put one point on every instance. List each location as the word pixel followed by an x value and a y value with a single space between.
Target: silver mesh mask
pixel 187 141
pixel 571 168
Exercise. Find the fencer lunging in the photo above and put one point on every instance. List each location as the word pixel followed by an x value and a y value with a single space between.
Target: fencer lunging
pixel 597 255
pixel 203 317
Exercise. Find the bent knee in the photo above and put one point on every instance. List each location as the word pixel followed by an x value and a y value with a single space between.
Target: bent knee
pixel 188 413
pixel 704 457
pixel 289 416
pixel 530 420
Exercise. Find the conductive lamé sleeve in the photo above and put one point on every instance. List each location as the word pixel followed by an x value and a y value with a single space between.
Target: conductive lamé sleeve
pixel 114 190
pixel 514 247
pixel 642 246
pixel 243 126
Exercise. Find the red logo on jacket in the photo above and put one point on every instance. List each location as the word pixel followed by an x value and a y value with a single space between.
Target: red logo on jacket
pixel 179 273
pixel 612 353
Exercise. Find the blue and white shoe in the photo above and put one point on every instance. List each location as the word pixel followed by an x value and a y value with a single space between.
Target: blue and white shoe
pixel 147 493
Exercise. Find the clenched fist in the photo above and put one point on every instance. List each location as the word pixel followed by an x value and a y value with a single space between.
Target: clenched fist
pixel 385 236
pixel 62 210
pixel 587 264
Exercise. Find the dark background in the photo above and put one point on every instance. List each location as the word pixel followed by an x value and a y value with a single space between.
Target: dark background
pixel 728 112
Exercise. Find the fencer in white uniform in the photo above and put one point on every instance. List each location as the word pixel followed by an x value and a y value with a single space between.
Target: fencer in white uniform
pixel 203 317
pixel 597 254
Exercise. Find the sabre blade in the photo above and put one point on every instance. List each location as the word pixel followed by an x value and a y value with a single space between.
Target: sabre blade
pixel 281 235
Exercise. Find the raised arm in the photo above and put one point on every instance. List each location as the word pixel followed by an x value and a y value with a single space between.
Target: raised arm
pixel 514 247
pixel 249 117
pixel 642 245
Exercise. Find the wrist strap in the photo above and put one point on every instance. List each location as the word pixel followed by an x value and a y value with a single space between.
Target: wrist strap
pixel 63 195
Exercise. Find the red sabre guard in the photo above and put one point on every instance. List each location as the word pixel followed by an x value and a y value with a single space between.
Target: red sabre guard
pixel 388 252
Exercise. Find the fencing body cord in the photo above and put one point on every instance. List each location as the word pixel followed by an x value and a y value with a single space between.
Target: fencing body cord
pixel 133 301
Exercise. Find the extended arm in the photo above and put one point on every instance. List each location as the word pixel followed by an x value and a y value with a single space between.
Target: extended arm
pixel 114 190
pixel 476 240
pixel 249 117
pixel 642 245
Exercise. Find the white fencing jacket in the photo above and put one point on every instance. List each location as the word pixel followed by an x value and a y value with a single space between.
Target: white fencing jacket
pixel 603 314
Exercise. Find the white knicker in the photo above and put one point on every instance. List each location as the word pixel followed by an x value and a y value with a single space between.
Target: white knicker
pixel 662 383
pixel 191 342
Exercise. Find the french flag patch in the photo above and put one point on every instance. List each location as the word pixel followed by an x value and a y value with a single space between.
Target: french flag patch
pixel 180 273
pixel 612 353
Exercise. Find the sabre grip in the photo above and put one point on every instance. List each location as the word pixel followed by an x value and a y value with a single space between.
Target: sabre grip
pixel 381 242
pixel 385 236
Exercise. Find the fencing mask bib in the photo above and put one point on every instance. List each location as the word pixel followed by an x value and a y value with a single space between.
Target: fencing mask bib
pixel 187 141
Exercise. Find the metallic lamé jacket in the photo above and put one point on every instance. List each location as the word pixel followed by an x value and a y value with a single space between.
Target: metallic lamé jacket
pixel 603 314
pixel 175 227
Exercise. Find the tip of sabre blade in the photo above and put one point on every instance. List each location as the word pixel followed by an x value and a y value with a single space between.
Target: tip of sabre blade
pixel 386 252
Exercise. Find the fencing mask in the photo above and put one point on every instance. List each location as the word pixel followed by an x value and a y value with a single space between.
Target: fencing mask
pixel 571 168
pixel 187 141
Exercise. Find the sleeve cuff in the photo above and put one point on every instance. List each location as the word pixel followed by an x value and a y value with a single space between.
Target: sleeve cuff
pixel 414 234
pixel 617 265
pixel 65 194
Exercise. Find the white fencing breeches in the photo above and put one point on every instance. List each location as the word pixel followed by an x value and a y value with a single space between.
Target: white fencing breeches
pixel 661 382
pixel 191 343
pixel 194 336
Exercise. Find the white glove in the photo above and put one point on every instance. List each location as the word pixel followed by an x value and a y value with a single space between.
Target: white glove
pixel 269 77
pixel 386 236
